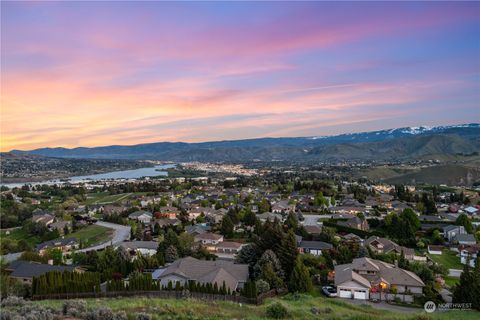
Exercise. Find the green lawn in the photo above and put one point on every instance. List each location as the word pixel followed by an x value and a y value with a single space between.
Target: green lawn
pixel 106 198
pixel 299 307
pixel 451 281
pixel 92 235
pixel 448 259
pixel 20 234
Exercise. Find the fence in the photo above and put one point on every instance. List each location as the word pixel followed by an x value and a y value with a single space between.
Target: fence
pixel 184 294
pixel 407 298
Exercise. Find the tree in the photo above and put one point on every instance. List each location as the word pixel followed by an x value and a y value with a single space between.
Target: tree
pixel 171 254
pixel 247 255
pixel 464 221
pixel 269 257
pixel 300 280
pixel 185 243
pixel 288 252
pixel 227 227
pixel 468 289
pixel 249 218
pixel 292 221
pixel 270 276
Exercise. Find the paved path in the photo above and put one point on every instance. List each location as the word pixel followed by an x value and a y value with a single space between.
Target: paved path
pixel 121 233
pixel 11 257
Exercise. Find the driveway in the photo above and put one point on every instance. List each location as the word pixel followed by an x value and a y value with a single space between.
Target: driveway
pixel 121 233
pixel 383 306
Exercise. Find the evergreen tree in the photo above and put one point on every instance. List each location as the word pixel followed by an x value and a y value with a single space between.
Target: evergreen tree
pixel 300 280
pixel 171 254
pixel 288 253
pixel 227 227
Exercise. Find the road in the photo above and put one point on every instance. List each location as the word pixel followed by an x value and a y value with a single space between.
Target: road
pixel 121 233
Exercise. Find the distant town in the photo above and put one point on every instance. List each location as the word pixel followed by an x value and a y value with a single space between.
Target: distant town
pixel 227 232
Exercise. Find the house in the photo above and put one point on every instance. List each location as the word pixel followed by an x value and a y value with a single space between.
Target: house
pixel 355 223
pixel 313 230
pixel 164 222
pixel 197 229
pixel 353 238
pixel 313 247
pixel 203 271
pixel 208 238
pixel 386 246
pixel 24 271
pixel 471 210
pixel 358 279
pixel 450 231
pixel 465 239
pixel 60 226
pixel 141 216
pixel 44 218
pixel 469 254
pixel 283 207
pixel 432 249
pixel 228 249
pixel 146 248
pixel 270 216
pixel 65 245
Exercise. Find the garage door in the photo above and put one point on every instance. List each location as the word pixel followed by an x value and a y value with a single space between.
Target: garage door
pixel 361 295
pixel 345 293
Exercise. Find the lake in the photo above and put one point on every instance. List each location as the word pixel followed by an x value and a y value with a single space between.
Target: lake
pixel 124 174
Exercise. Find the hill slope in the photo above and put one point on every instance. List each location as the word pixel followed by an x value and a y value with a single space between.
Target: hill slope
pixel 402 144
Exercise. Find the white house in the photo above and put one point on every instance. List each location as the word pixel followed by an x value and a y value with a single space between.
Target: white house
pixel 141 216
pixel 469 254
pixel 364 275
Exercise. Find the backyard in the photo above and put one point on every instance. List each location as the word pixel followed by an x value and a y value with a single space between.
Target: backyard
pixel 92 235
pixel 448 259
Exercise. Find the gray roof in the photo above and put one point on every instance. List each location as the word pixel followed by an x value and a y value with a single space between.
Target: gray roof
pixel 450 227
pixel 465 237
pixel 57 243
pixel 151 245
pixel 208 271
pixel 315 245
pixel 137 214
pixel 382 271
pixel 29 269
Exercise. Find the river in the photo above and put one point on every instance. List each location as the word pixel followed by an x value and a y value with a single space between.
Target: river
pixel 114 175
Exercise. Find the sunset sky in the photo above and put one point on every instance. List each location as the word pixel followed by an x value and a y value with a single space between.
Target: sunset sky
pixel 102 73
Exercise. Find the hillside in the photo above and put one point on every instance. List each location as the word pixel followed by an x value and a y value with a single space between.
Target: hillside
pixel 298 306
pixel 441 143
pixel 22 167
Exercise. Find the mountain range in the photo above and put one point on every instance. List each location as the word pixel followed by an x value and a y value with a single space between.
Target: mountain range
pixel 408 143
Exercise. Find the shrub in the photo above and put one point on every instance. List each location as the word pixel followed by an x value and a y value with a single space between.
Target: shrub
pixel 262 286
pixel 277 311
pixel 142 316
pixel 74 308
pixel 13 301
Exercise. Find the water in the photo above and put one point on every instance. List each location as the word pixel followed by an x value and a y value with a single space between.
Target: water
pixel 114 175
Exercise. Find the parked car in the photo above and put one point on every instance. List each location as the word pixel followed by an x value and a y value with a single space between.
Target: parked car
pixel 329 291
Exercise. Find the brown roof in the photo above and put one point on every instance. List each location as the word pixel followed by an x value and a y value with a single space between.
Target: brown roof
pixel 210 271
pixel 208 236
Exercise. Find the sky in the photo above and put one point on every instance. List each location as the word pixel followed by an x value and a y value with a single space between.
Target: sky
pixel 102 73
